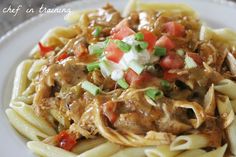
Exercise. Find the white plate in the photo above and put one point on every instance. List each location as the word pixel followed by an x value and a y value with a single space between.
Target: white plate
pixel 16 44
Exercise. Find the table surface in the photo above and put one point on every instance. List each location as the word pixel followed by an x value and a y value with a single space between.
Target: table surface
pixel 10 20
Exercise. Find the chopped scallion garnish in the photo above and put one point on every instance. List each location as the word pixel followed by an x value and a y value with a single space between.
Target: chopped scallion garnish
pixel 97 31
pixel 105 68
pixel 123 46
pixel 135 66
pixel 180 52
pixel 154 93
pixel 139 36
pixel 141 45
pixel 121 82
pixel 96 49
pixel 159 51
pixel 189 62
pixel 92 66
pixel 165 84
pixel 90 87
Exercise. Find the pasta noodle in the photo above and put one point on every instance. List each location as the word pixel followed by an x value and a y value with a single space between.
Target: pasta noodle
pixel 47 150
pixel 197 109
pixel 170 7
pixel 219 152
pixel 21 81
pixel 75 16
pixel 184 142
pixel 104 150
pixel 192 153
pixel 26 112
pixel 25 128
pixel 209 101
pixel 225 110
pixel 87 144
pixel 226 87
pixel 231 133
pixel 35 68
pixel 60 118
pixel 127 152
pixel 161 151
pixel 131 6
pixel 55 37
pixel 233 103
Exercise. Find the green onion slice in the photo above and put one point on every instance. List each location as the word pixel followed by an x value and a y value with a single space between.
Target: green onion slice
pixel 121 82
pixel 189 62
pixel 96 49
pixel 154 93
pixel 165 84
pixel 93 66
pixel 139 36
pixel 180 52
pixel 97 31
pixel 135 66
pixel 159 51
pixel 141 45
pixel 105 67
pixel 90 87
pixel 123 46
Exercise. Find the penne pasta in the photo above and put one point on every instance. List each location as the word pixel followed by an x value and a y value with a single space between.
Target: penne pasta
pixel 74 16
pixel 226 87
pixel 60 118
pixel 30 90
pixel 219 152
pixel 26 99
pixel 26 112
pixel 103 150
pixel 55 37
pixel 130 6
pixel 189 142
pixel 161 151
pixel 209 101
pixel 21 81
pixel 169 7
pixel 231 133
pixel 192 153
pixel 197 109
pixel 223 35
pixel 225 110
pixel 87 144
pixel 47 150
pixel 23 127
pixel 233 104
pixel 36 68
pixel 127 152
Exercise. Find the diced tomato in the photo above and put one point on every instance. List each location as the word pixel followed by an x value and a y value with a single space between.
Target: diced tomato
pixel 164 41
pixel 122 33
pixel 121 24
pixel 169 76
pixel 150 38
pixel 65 140
pixel 133 78
pixel 172 61
pixel 62 56
pixel 113 53
pixel 44 49
pixel 174 29
pixel 109 109
pixel 196 57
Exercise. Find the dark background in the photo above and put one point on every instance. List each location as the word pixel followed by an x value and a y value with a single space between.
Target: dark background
pixel 8 21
